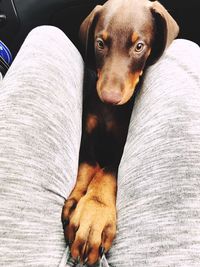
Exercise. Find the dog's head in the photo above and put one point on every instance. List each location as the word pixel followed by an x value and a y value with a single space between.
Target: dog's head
pixel 119 38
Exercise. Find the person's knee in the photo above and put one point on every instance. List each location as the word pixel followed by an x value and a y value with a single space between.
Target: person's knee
pixel 184 51
pixel 177 71
pixel 49 41
pixel 47 31
pixel 184 44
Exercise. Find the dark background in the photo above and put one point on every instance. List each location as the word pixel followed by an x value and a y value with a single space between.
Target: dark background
pixel 24 15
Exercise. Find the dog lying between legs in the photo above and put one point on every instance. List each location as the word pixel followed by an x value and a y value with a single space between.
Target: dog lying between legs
pixel 120 39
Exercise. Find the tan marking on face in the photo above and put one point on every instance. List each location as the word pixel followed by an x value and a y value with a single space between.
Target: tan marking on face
pixel 149 52
pixel 134 78
pixel 129 87
pixel 134 37
pixel 99 82
pixel 104 35
pixel 91 123
pixel 98 73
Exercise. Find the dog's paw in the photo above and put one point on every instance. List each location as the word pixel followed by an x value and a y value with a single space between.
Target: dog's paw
pixel 67 211
pixel 85 175
pixel 91 227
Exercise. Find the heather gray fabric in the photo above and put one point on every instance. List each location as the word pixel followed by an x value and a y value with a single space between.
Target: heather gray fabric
pixel 158 186
pixel 40 130
pixel 159 177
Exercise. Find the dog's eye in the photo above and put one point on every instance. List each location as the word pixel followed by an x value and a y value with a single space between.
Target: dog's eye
pixel 139 47
pixel 100 43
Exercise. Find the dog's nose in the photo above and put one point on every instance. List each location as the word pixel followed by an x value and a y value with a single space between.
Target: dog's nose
pixel 111 97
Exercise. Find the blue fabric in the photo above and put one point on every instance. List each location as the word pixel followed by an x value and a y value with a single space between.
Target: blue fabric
pixel 5 53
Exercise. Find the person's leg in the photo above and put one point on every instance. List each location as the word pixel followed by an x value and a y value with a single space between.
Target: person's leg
pixel 159 176
pixel 40 131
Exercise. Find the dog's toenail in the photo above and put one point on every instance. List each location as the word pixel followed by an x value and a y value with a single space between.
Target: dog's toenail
pixel 85 261
pixel 78 259
pixel 101 251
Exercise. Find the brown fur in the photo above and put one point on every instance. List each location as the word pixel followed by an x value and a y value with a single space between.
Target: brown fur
pixel 112 37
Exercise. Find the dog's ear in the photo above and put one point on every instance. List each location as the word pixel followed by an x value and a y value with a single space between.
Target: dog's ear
pixel 166 30
pixel 86 35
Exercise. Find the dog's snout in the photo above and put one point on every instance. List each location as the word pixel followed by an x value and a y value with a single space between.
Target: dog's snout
pixel 111 96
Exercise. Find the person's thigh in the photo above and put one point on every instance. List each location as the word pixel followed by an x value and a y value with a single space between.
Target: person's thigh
pixel 159 176
pixel 40 131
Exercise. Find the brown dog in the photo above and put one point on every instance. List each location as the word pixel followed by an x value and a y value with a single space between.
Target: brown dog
pixel 120 38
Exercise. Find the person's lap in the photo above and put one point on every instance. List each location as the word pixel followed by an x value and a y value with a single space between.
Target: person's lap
pixel 40 113
pixel 158 182
pixel 40 120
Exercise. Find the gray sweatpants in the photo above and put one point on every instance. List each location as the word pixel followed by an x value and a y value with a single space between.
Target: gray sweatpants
pixel 158 197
